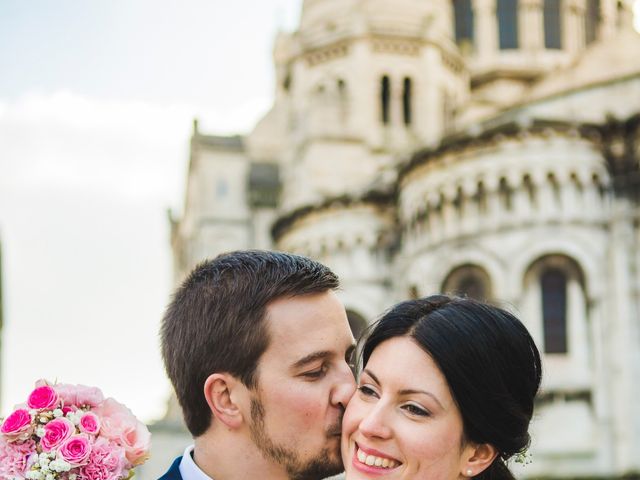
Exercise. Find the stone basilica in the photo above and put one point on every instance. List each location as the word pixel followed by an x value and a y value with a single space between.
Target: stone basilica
pixel 484 147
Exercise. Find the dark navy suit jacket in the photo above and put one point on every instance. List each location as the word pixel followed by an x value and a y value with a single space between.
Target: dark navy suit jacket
pixel 174 471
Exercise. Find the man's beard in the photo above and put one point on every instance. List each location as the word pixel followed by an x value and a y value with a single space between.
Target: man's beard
pixel 323 465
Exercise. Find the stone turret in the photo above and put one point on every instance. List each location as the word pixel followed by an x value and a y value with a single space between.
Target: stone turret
pixel 359 85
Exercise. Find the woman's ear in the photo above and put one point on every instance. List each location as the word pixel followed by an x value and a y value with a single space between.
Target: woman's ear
pixel 219 392
pixel 477 458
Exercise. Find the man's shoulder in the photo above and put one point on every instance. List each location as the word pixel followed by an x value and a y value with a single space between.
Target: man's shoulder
pixel 174 471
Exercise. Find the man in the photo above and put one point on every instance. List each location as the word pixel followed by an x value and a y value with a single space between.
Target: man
pixel 257 346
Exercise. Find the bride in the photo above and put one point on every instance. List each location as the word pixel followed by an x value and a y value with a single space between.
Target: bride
pixel 447 392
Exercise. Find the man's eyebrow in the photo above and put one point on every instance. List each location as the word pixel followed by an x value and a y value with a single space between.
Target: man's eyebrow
pixel 407 391
pixel 312 357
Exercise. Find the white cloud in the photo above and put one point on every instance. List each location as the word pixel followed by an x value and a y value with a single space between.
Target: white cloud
pixel 87 264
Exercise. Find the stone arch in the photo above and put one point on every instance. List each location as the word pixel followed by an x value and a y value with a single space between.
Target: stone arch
pixel 468 280
pixel 554 294
pixel 440 265
pixel 569 247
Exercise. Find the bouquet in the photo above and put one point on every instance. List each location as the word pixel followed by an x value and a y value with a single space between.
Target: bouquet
pixel 71 432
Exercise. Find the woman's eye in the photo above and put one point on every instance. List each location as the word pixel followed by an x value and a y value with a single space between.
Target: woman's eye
pixel 367 391
pixel 415 410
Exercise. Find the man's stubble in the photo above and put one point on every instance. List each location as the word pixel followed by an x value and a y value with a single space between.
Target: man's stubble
pixel 323 465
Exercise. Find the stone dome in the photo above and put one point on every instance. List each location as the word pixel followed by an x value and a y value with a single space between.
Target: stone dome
pixel 397 17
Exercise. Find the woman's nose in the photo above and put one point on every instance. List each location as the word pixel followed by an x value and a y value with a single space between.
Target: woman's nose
pixel 375 424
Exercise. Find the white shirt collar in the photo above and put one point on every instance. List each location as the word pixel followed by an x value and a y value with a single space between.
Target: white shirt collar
pixel 188 468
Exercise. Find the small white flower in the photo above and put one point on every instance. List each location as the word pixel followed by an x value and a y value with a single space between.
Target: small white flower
pixel 40 432
pixel 73 476
pixel 49 476
pixel 34 475
pixel 74 417
pixel 43 419
pixel 44 463
pixel 57 413
pixel 59 465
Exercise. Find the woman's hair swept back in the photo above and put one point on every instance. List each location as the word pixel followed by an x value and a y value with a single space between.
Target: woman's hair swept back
pixel 490 362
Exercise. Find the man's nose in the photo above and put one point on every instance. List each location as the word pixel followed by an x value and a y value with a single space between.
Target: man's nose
pixel 344 388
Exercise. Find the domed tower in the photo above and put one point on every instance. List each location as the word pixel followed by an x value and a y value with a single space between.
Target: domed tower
pixel 360 83
pixel 509 44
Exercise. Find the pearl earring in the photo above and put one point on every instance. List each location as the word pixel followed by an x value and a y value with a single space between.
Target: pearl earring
pixel 470 473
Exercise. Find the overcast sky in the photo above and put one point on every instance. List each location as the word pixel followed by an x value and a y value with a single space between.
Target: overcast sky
pixel 96 104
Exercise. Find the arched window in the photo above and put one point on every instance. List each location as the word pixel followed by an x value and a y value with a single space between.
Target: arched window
pixel 507 12
pixel 286 83
pixel 556 303
pixel 592 20
pixel 406 101
pixel 505 193
pixel 468 280
pixel 342 88
pixel 385 98
pixel 530 188
pixel 481 198
pixel 552 24
pixel 553 286
pixel 463 16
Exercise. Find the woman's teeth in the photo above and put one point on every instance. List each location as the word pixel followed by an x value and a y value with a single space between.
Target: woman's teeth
pixel 374 461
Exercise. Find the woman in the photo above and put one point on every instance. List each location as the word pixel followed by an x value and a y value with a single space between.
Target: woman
pixel 446 392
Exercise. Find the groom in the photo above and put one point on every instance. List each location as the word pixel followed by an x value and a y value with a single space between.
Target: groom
pixel 257 346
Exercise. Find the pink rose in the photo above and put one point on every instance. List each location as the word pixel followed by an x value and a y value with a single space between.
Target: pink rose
pixel 121 426
pixel 89 423
pixel 114 418
pixel 75 450
pixel 17 426
pixel 90 396
pixel 136 443
pixel 67 393
pixel 16 458
pixel 43 398
pixel 106 462
pixel 66 410
pixel 56 432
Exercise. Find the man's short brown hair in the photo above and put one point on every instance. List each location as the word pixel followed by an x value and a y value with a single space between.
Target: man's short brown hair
pixel 215 321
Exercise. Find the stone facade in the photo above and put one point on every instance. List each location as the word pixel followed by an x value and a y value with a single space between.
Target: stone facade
pixel 486 147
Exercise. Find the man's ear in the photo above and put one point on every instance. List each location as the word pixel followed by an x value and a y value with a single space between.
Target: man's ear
pixel 477 458
pixel 220 391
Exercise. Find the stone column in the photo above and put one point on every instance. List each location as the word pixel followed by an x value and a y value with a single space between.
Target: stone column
pixel 531 23
pixel 486 28
pixel 573 23
pixel 608 15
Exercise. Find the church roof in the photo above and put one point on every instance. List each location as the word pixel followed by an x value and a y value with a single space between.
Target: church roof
pixel 230 143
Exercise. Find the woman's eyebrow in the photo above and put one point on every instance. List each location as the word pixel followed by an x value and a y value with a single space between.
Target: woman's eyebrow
pixel 424 392
pixel 406 391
